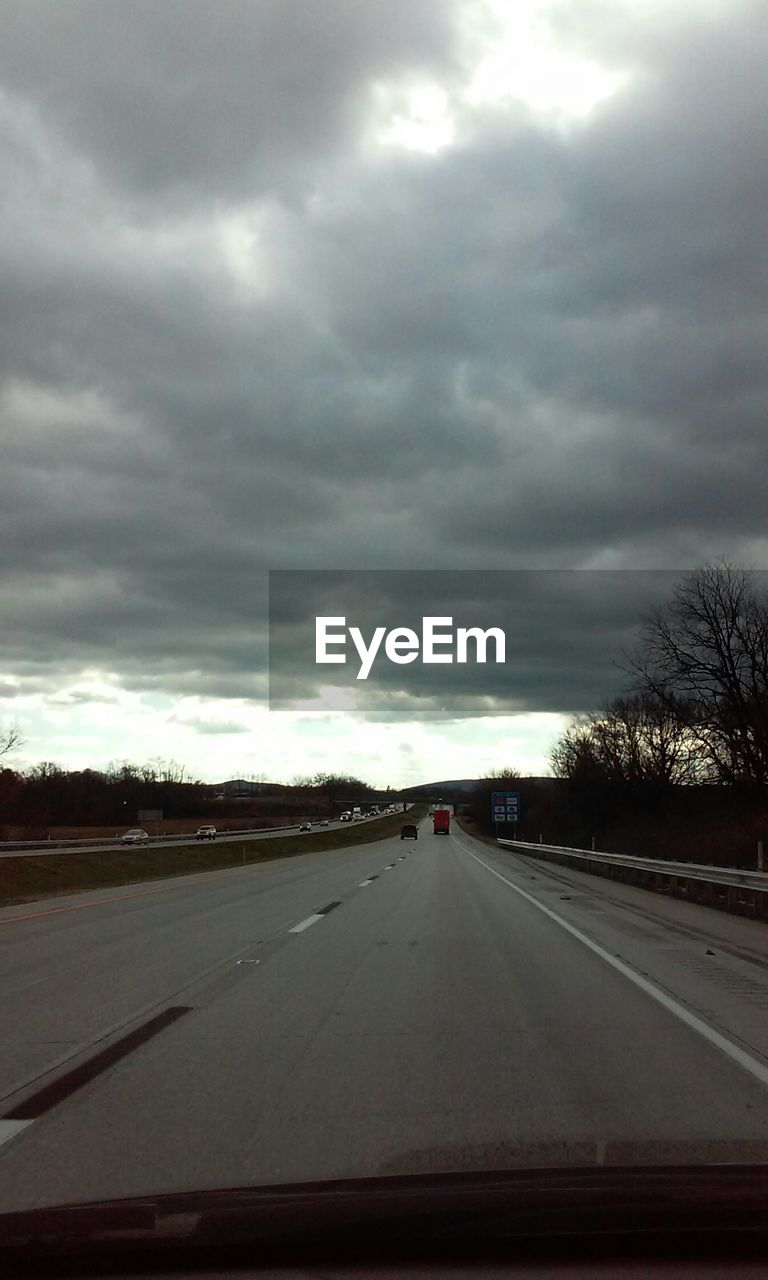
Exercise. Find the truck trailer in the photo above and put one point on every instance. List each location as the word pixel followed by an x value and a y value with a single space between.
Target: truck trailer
pixel 441 819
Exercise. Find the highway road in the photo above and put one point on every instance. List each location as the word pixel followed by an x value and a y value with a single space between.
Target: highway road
pixel 400 1006
pixel 16 849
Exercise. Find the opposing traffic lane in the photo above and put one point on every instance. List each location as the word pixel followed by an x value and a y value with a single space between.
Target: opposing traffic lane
pixel 18 849
pixel 431 1018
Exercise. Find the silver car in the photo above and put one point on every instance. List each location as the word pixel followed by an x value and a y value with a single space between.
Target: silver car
pixel 135 836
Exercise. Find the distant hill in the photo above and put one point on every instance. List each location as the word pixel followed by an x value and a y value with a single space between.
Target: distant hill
pixel 244 787
pixel 448 788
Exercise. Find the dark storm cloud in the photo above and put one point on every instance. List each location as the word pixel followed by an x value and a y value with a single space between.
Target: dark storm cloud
pixel 533 349
pixel 191 99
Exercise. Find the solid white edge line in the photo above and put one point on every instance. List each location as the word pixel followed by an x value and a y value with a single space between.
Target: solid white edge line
pixel 299 928
pixel 9 1129
pixel 745 1060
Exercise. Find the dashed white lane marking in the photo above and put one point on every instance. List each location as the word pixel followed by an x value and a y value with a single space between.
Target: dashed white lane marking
pixel 299 928
pixel 9 1129
pixel 363 883
pixel 745 1060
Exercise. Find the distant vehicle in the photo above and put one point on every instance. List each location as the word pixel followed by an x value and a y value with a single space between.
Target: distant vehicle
pixel 409 832
pixel 441 822
pixel 324 822
pixel 345 817
pixel 374 809
pixel 305 826
pixel 205 833
pixel 357 812
pixel 135 836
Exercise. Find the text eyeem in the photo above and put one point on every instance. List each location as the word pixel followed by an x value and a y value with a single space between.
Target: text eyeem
pixel 438 642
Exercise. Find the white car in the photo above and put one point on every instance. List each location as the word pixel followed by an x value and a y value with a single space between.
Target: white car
pixel 205 833
pixel 135 836
pixel 324 823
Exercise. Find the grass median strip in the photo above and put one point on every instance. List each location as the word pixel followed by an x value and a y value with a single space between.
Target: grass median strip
pixel 29 879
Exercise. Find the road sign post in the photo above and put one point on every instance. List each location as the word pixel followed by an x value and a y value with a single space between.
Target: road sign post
pixel 145 816
pixel 505 808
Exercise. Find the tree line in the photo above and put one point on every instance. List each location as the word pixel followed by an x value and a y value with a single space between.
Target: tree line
pixel 696 710
pixel 47 795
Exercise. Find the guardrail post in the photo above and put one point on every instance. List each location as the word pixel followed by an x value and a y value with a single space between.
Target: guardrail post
pixel 593 844
pixel 760 855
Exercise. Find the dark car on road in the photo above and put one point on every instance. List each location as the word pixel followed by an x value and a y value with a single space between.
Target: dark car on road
pixel 409 832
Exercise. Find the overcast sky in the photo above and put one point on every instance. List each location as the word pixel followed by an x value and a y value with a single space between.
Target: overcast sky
pixel 350 285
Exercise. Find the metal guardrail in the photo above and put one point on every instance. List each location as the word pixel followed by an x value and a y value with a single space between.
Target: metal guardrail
pixel 99 842
pixel 740 892
pixel 84 842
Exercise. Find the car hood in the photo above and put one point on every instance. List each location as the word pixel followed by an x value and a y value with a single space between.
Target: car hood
pixel 449 1213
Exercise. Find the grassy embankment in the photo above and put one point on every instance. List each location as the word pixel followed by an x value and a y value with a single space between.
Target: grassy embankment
pixel 29 878
pixel 475 829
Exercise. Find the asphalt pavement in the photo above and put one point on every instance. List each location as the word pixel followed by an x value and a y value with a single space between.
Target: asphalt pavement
pixel 401 1006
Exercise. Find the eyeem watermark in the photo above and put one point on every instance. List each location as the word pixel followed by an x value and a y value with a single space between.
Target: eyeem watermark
pixel 437 643
pixel 405 645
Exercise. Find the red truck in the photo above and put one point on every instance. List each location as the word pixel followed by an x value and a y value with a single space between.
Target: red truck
pixel 442 822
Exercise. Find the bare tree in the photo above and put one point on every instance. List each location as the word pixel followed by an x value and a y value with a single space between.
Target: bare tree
pixel 332 783
pixel 704 656
pixel 122 771
pixel 10 740
pixel 575 754
pixel 648 739
pixel 303 781
pixel 636 738
pixel 45 769
pixel 171 771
